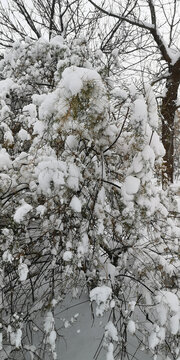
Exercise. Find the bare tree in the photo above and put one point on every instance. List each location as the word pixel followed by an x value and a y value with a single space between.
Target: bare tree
pixel 19 19
pixel 160 21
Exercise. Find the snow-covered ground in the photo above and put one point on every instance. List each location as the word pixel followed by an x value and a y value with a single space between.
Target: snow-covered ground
pixel 82 341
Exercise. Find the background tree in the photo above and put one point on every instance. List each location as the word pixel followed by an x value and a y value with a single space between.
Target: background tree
pixel 19 18
pixel 160 20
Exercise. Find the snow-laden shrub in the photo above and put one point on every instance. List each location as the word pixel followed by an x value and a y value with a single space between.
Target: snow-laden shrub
pixel 81 204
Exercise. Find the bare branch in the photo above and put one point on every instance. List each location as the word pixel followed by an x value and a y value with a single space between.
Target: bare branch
pixel 172 23
pixel 51 18
pixel 27 16
pixel 152 11
pixel 140 24
pixel 150 27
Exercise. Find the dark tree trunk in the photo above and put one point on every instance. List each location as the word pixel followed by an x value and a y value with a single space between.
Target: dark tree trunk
pixel 168 110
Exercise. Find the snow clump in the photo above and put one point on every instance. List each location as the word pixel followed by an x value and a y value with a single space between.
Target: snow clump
pixel 132 185
pixel 102 296
pixel 21 212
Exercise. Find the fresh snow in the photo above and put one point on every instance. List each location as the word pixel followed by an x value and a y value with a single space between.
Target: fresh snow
pixel 73 78
pixel 21 212
pixel 8 138
pixel 5 161
pixel 109 355
pixel 75 204
pixel 140 112
pixel 131 326
pixel 132 185
pixel 23 135
pixel 67 256
pixel 5 86
pixel 23 271
pixel 102 296
pixel 111 331
pixel 148 154
pixel 7 256
pixel 168 308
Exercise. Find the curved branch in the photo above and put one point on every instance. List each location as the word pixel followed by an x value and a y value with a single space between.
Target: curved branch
pixel 140 24
pixel 144 25
pixel 139 281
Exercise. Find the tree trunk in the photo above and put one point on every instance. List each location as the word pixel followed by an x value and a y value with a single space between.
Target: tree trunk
pixel 168 110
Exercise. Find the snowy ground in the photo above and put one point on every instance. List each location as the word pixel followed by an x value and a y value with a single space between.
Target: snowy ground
pixel 81 341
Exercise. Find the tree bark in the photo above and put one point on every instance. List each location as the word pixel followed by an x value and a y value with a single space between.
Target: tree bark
pixel 168 110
